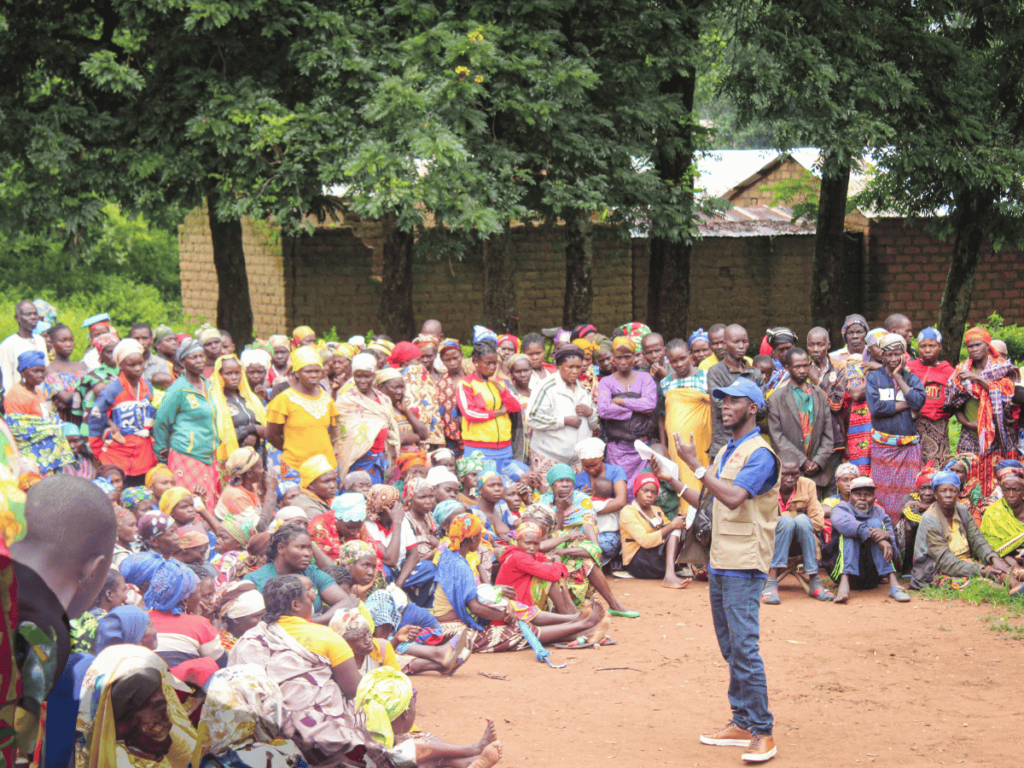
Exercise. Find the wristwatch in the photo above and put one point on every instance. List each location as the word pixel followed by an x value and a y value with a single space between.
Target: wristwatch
pixel 699 472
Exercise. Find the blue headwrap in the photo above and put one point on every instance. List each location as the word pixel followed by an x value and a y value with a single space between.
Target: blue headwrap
pixel 349 507
pixel 103 484
pixel 124 625
pixel 443 510
pixel 1008 463
pixel 170 587
pixel 484 476
pixel 481 332
pixel 139 569
pixel 946 478
pixel 283 488
pixel 514 470
pixel 31 359
pixel 382 608
pixel 131 497
pixel 698 335
pixel 930 334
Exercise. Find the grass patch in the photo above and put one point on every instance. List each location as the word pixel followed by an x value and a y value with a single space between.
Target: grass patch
pixel 1008 612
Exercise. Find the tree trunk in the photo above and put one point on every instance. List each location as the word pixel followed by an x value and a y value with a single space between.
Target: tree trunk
pixel 234 308
pixel 827 281
pixel 956 298
pixel 500 283
pixel 396 311
pixel 579 268
pixel 668 291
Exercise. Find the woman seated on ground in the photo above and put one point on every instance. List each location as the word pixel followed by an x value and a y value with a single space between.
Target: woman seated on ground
pixel 491 629
pixel 595 468
pixel 1003 523
pixel 331 530
pixel 950 549
pixel 650 543
pixel 131 715
pixel 231 560
pixel 574 531
pixel 318 485
pixel 492 509
pixel 250 492
pixel 536 579
pixel 290 552
pixel 912 507
pixel 388 700
pixel 370 652
pixel 396 538
pixel 244 713
pixel 314 668
pixel 413 631
pixel 240 608
pixel 158 533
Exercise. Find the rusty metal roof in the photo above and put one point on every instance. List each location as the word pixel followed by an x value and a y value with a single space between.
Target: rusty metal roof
pixel 754 221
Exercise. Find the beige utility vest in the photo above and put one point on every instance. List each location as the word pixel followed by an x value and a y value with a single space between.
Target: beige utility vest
pixel 744 537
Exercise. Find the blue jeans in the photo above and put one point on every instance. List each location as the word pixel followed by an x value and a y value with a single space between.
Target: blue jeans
pixel 851 556
pixel 735 610
pixel 610 543
pixel 805 537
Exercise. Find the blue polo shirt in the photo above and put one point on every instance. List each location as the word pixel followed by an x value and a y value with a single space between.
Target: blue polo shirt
pixel 756 477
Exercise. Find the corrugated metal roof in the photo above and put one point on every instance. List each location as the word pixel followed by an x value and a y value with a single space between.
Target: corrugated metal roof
pixel 753 221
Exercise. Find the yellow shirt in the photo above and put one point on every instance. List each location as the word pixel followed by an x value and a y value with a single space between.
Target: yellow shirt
pixel 307 421
pixel 640 530
pixel 442 605
pixel 958 543
pixel 317 638
pixel 707 362
pixel 388 658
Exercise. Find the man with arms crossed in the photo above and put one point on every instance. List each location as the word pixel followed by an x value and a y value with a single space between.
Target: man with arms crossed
pixel 744 483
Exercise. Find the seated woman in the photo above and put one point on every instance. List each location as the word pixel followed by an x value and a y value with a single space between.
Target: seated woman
pixel 414 632
pixel 370 652
pixel 950 549
pixel 290 552
pixel 388 700
pixel 535 579
pixel 457 608
pixel 131 715
pixel 393 535
pixel 318 486
pixel 1003 523
pixel 573 530
pixel 314 668
pixel 181 637
pixel 231 560
pixel 158 533
pixel 591 453
pixel 250 492
pixel 491 507
pixel 126 624
pixel 650 543
pixel 244 716
pixel 239 609
pixel 912 507
pixel 331 530
pixel 113 594
pixel 159 480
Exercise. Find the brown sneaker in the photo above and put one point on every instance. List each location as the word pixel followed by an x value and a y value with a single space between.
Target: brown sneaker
pixel 730 736
pixel 762 749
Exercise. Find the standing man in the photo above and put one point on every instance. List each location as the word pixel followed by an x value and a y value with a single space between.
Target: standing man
pixel 716 338
pixel 800 422
pixel 652 349
pixel 152 364
pixel 825 375
pixel 733 367
pixel 24 340
pixel 744 484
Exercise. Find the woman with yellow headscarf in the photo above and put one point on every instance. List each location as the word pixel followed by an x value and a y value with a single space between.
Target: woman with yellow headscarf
pixel 388 700
pixel 302 421
pixel 240 416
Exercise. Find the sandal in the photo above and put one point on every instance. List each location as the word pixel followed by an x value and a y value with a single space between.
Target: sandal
pixel 455 658
pixel 822 593
pixel 624 614
pixel 579 642
pixel 605 641
pixel 771 596
pixel 899 595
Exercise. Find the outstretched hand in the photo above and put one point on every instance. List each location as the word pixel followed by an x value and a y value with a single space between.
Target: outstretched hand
pixel 687 451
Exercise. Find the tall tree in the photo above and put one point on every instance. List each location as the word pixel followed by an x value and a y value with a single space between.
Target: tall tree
pixel 821 73
pixel 959 146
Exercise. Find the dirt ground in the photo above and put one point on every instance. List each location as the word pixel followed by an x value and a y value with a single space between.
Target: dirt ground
pixel 923 683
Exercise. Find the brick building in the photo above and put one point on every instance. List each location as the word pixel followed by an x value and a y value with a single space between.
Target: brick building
pixel 752 266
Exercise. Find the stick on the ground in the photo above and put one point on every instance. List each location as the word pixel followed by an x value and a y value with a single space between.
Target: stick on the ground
pixel 606 669
pixel 493 677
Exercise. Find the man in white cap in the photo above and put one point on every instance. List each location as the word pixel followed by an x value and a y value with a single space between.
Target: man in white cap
pixel 866 543
pixel 744 483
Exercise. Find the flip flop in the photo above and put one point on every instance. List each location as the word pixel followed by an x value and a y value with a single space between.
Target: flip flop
pixel 606 640
pixel 579 642
pixel 622 575
pixel 823 594
pixel 899 595
pixel 624 614
pixel 453 663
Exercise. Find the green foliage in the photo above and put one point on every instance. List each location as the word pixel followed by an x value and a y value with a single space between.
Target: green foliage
pixel 1008 612
pixel 1012 335
pixel 801 194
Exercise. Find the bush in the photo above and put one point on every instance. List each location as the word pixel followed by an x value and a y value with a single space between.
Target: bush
pixel 1012 335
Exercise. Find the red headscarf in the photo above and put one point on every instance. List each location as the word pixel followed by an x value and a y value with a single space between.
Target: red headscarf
pixel 403 352
pixel 980 334
pixel 510 337
pixel 643 479
pixel 926 475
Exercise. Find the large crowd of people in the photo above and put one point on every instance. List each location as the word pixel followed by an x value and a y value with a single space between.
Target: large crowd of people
pixel 221 559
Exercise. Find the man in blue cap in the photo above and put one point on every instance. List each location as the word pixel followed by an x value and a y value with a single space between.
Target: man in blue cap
pixel 744 484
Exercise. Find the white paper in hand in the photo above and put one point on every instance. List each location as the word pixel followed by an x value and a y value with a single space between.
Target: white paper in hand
pixel 666 464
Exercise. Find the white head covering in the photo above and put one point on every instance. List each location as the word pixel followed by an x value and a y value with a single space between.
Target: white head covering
pixel 359 341
pixel 591 448
pixel 285 515
pixel 255 357
pixel 246 604
pixel 127 347
pixel 364 361
pixel 438 475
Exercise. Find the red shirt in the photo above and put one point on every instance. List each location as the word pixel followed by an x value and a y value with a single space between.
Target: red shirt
pixel 934 379
pixel 518 568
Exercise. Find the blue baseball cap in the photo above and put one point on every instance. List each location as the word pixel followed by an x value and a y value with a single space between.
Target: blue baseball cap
pixel 742 388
